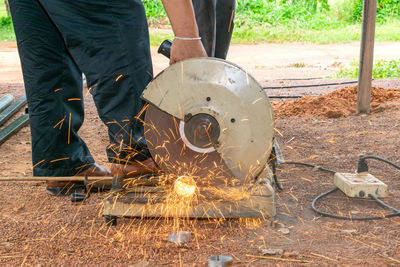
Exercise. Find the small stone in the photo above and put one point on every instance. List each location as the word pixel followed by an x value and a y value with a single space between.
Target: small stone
pixel 7 244
pixel 272 251
pixel 354 212
pixel 143 263
pixel 284 231
pixel 291 254
pixel 350 231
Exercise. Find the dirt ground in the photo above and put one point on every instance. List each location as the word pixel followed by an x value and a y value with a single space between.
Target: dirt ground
pixel 39 230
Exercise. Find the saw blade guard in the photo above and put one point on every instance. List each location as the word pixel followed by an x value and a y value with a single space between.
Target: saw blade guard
pixel 218 91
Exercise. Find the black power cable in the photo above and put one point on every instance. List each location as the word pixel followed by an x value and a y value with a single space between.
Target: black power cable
pixel 286 96
pixel 316 167
pixel 361 166
pixel 308 85
pixel 380 202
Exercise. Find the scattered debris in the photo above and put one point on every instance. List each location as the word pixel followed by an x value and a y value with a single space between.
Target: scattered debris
pixel 272 251
pixel 143 263
pixel 284 231
pixel 291 254
pixel 350 231
pixel 6 244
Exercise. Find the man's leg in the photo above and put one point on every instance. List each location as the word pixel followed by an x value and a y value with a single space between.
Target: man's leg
pixel 205 11
pixel 109 41
pixel 53 85
pixel 215 21
pixel 224 29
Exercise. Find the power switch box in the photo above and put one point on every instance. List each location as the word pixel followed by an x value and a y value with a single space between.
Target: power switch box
pixel 360 185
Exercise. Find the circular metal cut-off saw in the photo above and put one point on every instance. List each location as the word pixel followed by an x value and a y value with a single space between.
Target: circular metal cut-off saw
pixel 209 126
pixel 209 119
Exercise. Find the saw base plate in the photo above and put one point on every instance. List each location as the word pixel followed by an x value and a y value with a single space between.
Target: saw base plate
pixel 258 201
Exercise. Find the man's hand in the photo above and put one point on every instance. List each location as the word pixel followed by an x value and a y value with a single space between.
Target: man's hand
pixel 181 16
pixel 185 49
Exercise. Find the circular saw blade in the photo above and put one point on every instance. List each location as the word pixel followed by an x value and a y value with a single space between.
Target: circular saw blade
pixel 173 156
pixel 227 93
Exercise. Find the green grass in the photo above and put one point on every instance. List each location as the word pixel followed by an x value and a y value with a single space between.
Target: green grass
pixel 6 29
pixel 3 11
pixel 383 69
pixel 307 21
pixel 156 38
pixel 384 32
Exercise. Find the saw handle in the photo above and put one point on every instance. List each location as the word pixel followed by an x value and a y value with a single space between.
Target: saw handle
pixel 165 48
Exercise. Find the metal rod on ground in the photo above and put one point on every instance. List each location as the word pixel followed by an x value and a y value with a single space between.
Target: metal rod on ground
pixel 144 180
pixel 366 57
pixel 66 179
pixel 5 101
pixel 12 109
pixel 13 127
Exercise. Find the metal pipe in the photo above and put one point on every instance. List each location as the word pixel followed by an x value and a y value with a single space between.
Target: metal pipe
pixel 12 109
pixel 13 127
pixel 5 101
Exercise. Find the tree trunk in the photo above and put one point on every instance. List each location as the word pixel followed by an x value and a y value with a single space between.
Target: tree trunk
pixel 7 7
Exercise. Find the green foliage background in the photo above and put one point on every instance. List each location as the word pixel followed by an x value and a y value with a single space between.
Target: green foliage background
pixel 297 12
pixel 383 69
pixel 312 21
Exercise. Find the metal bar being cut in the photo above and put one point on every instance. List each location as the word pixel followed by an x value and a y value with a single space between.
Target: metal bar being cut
pixel 11 110
pixel 366 57
pixel 5 101
pixel 144 180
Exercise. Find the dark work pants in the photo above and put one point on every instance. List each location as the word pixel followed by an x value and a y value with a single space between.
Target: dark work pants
pixel 215 21
pixel 108 42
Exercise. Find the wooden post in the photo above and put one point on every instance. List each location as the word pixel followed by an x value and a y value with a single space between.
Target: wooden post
pixel 7 8
pixel 366 57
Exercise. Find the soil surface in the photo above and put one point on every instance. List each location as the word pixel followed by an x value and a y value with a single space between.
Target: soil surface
pixel 40 230
pixel 339 103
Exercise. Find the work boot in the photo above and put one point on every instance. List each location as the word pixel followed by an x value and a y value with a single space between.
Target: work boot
pixel 95 170
pixel 135 169
pixel 63 188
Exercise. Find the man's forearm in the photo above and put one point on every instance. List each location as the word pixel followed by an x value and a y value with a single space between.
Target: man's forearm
pixel 181 16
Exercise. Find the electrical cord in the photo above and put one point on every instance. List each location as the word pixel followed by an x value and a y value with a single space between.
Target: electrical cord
pixel 308 85
pixel 286 96
pixel 361 166
pixel 316 167
pixel 380 202
pixel 304 79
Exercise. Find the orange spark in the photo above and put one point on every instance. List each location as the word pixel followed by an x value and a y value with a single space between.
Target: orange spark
pixel 38 163
pixel 74 99
pixel 119 77
pixel 230 22
pixel 60 122
pixel 69 128
pixel 59 89
pixel 60 159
